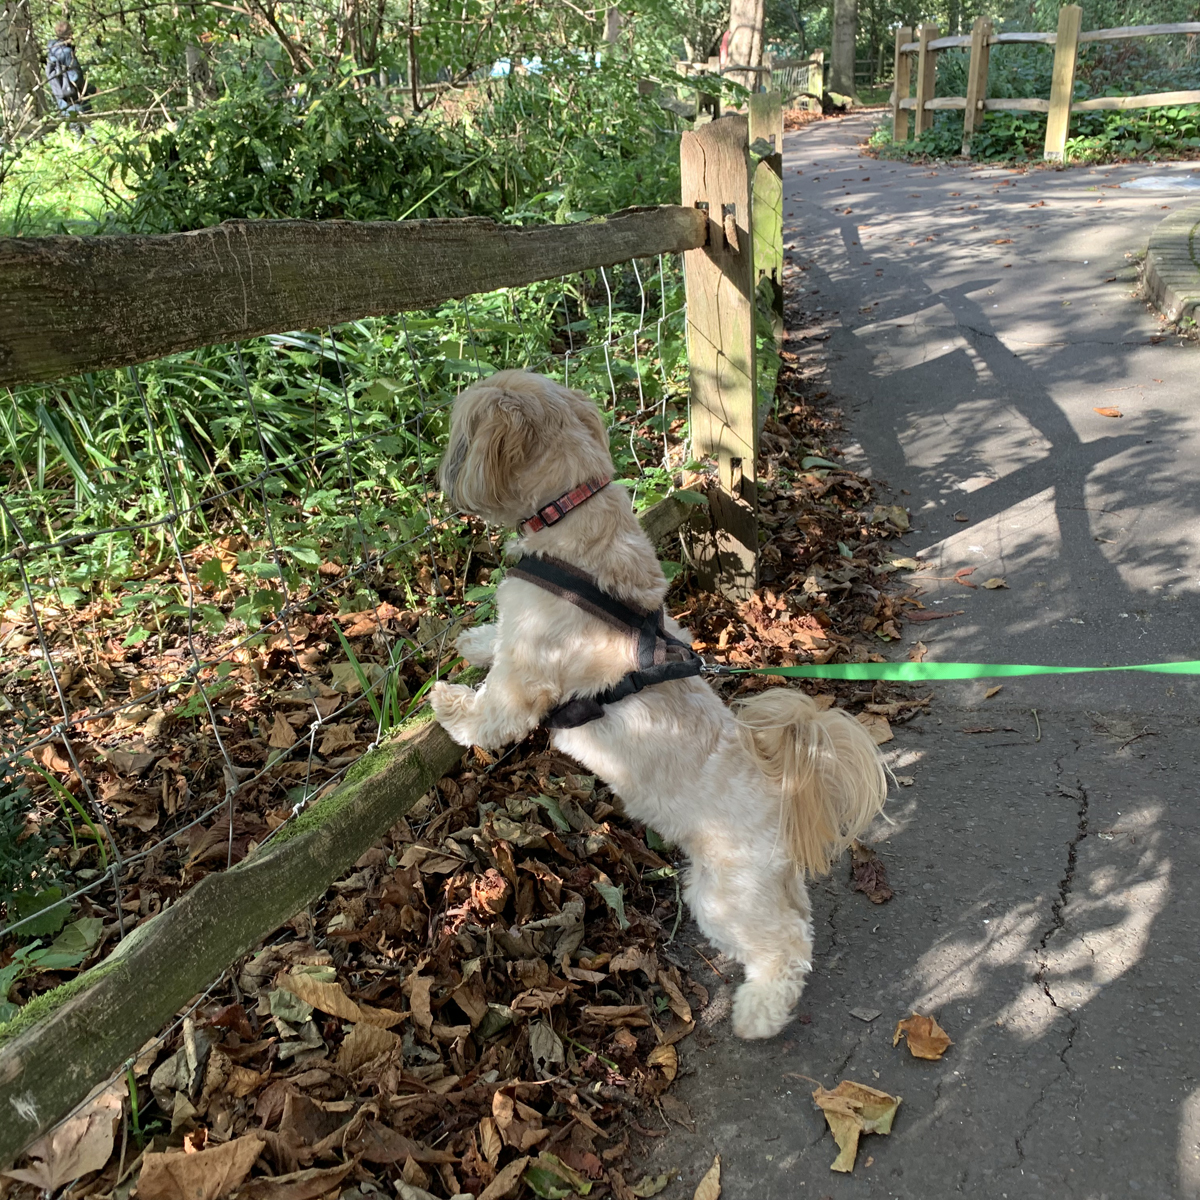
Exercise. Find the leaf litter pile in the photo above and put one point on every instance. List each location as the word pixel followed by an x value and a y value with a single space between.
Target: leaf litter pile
pixel 489 1004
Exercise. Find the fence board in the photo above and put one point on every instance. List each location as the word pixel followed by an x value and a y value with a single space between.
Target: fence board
pixel 70 304
pixel 50 1061
pixel 1138 31
pixel 1156 100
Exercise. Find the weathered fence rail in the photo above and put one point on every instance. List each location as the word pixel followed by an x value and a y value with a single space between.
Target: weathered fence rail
pixel 1060 104
pixel 71 304
pixel 75 304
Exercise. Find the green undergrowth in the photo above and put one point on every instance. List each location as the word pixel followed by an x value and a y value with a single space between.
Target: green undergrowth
pixel 42 1005
pixel 1151 134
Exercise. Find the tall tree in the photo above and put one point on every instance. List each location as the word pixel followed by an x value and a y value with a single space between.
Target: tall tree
pixel 746 39
pixel 19 95
pixel 845 38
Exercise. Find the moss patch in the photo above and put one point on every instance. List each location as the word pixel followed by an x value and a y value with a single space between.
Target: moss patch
pixel 42 1006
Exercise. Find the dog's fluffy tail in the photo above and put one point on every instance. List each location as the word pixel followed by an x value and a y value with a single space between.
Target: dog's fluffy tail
pixel 831 779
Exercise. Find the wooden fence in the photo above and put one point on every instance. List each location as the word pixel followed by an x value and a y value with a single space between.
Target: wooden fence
pixel 1060 104
pixel 71 304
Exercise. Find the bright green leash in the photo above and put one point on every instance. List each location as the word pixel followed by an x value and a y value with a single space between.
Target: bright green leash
pixel 930 672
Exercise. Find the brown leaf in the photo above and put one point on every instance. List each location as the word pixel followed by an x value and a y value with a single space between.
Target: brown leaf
pixel 927 615
pixel 995 582
pixel 507 1181
pixel 876 726
pixel 917 652
pixel 337 737
pixel 618 1014
pixel 868 874
pixel 1109 412
pixel 362 1044
pixel 79 1145
pixel 992 691
pixel 331 998
pixel 282 735
pixel 676 1110
pixel 489 1140
pixel 666 1058
pixel 297 1185
pixel 852 1109
pixel 925 1037
pixel 709 1188
pixel 675 998
pixel 960 576
pixel 206 1175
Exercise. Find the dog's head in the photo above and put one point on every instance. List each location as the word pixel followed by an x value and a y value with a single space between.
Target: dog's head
pixel 517 441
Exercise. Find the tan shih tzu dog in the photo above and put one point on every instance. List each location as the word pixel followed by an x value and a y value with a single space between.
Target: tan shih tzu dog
pixel 755 795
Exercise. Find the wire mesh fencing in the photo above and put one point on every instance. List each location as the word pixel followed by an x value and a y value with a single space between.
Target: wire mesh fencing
pixel 224 574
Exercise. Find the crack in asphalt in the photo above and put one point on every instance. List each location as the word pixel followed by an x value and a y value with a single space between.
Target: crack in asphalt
pixel 1058 922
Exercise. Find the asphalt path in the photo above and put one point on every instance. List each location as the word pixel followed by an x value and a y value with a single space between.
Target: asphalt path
pixel 1045 856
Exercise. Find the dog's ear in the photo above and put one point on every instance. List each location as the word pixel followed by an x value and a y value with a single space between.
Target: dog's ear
pixel 585 408
pixel 491 437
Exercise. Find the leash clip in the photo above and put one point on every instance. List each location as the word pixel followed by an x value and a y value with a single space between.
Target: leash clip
pixel 716 669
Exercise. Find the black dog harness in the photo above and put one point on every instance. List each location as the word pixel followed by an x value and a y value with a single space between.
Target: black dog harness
pixel 660 657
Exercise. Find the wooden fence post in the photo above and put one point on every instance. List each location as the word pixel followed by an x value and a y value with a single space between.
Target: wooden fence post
pixel 1062 84
pixel 719 279
pixel 977 77
pixel 902 78
pixel 766 207
pixel 926 79
pixel 816 79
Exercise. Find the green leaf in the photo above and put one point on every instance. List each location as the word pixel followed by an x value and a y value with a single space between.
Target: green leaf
pixel 551 807
pixel 136 637
pixel 212 574
pixel 614 897
pixel 50 914
pixel 77 939
pixel 305 555
pixel 671 569
pixel 689 497
pixel 655 841
pixel 480 592
pixel 813 460
pixel 551 1177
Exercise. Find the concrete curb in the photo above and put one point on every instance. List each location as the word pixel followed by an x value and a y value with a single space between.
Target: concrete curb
pixel 1172 270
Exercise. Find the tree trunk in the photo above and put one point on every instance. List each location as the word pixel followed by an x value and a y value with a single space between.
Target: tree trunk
pixel 746 40
pixel 845 35
pixel 19 96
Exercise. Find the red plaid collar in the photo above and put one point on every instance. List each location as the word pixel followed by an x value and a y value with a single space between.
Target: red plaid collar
pixel 557 509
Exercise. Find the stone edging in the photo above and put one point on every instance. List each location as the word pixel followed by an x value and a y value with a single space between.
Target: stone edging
pixel 1172 276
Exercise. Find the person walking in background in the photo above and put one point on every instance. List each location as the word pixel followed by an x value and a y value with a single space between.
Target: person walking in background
pixel 64 73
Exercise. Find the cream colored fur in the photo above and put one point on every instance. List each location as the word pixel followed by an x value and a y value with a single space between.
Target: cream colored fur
pixel 754 796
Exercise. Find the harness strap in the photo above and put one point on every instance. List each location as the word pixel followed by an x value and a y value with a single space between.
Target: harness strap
pixel 661 656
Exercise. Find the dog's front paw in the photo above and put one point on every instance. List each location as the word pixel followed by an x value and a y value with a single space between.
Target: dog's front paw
pixel 453 706
pixel 762 1008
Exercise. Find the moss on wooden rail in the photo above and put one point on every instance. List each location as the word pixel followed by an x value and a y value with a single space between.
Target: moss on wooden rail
pixel 71 304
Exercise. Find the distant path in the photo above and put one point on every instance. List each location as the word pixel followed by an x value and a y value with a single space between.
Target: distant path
pixel 1047 868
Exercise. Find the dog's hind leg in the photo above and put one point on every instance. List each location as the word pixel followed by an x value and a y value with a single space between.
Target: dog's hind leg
pixel 766 927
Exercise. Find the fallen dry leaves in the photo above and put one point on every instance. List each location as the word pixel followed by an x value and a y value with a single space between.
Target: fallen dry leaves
pixel 925 1037
pixel 852 1109
pixel 709 1188
pixel 78 1146
pixel 868 874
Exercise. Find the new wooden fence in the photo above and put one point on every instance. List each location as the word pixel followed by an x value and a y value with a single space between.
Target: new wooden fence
pixel 71 304
pixel 1060 104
